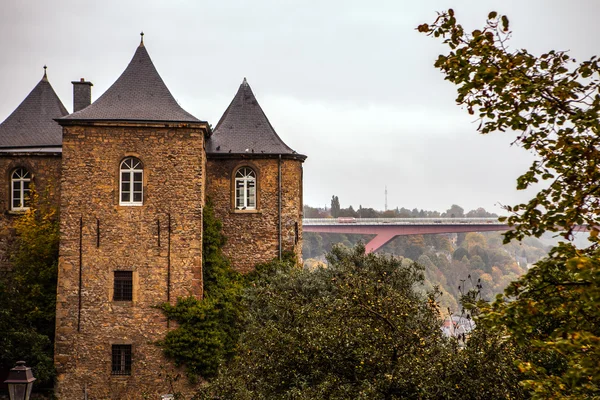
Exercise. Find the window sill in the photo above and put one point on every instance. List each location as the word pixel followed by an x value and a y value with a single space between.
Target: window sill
pixel 17 212
pixel 120 376
pixel 236 211
pixel 123 303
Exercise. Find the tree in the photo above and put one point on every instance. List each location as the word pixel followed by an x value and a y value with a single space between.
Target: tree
pixel 335 206
pixel 368 213
pixel 359 328
pixel 389 214
pixel 459 253
pixel 312 245
pixel 454 212
pixel 348 212
pixel 312 212
pixel 28 292
pixel 474 239
pixel 552 103
pixel 480 213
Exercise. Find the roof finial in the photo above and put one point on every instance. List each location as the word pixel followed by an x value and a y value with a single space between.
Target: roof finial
pixel 245 82
pixel 142 39
pixel 45 75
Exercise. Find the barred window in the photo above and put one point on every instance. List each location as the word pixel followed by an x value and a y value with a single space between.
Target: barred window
pixel 121 359
pixel 131 185
pixel 20 189
pixel 123 288
pixel 245 189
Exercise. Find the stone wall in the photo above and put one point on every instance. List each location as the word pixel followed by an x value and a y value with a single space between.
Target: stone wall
pixel 253 236
pixel 45 169
pixel 98 237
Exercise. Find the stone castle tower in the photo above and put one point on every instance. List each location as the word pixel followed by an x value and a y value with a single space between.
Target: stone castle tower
pixel 135 170
pixel 245 155
pixel 30 147
pixel 133 178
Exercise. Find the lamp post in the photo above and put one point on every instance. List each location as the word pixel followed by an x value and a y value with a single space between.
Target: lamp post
pixel 20 381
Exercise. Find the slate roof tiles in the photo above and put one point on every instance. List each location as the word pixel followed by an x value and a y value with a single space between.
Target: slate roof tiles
pixel 139 94
pixel 245 129
pixel 32 123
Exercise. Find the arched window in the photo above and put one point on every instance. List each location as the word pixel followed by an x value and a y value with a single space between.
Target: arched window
pixel 131 188
pixel 20 181
pixel 245 189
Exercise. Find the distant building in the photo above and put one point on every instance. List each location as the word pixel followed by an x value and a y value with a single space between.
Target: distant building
pixel 131 173
pixel 457 326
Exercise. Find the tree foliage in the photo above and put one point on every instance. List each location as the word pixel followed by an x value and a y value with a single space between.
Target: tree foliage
pixel 28 292
pixel 454 211
pixel 552 103
pixel 335 206
pixel 359 328
pixel 556 312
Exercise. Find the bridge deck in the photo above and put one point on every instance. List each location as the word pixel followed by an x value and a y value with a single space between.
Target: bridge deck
pixel 387 229
pixel 401 221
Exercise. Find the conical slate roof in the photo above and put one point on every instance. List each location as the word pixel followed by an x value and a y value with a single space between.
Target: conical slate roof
pixel 138 95
pixel 245 129
pixel 32 123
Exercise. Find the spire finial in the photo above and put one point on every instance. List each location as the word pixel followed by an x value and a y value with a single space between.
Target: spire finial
pixel 142 38
pixel 45 75
pixel 245 82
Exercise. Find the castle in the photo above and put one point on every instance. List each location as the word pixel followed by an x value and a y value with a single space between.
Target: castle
pixel 131 173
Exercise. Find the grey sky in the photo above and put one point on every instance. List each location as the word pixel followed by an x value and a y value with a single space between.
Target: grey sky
pixel 351 84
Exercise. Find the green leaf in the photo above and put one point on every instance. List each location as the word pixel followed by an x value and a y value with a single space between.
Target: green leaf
pixel 504 23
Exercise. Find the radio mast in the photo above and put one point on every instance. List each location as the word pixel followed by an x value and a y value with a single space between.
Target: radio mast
pixel 385 198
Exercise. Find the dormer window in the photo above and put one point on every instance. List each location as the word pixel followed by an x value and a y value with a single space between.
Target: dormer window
pixel 245 189
pixel 131 187
pixel 20 182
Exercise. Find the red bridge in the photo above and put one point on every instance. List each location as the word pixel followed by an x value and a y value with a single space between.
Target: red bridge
pixel 386 229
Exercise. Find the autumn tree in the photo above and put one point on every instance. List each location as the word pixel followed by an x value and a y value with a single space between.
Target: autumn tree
pixel 360 328
pixel 551 103
pixel 28 292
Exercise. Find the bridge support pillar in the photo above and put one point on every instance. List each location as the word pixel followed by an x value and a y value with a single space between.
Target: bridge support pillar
pixel 379 241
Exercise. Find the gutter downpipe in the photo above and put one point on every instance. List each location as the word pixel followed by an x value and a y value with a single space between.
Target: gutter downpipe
pixel 279 200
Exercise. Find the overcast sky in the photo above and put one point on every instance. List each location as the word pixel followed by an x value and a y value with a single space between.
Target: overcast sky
pixel 351 84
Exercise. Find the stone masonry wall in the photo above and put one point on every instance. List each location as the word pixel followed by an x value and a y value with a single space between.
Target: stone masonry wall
pixel 45 169
pixel 252 236
pixel 165 264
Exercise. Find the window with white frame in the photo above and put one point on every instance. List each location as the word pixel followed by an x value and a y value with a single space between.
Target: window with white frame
pixel 245 189
pixel 20 182
pixel 131 188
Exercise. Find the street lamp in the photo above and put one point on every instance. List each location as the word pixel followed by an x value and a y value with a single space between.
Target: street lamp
pixel 20 381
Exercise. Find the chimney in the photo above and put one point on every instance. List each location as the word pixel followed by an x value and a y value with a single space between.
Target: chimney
pixel 82 94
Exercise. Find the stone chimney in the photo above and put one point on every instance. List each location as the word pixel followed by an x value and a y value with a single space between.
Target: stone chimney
pixel 82 94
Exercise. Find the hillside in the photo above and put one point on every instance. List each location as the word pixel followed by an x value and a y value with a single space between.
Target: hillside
pixel 454 262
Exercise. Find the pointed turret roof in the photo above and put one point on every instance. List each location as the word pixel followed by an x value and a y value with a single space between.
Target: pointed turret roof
pixel 32 123
pixel 138 95
pixel 245 129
